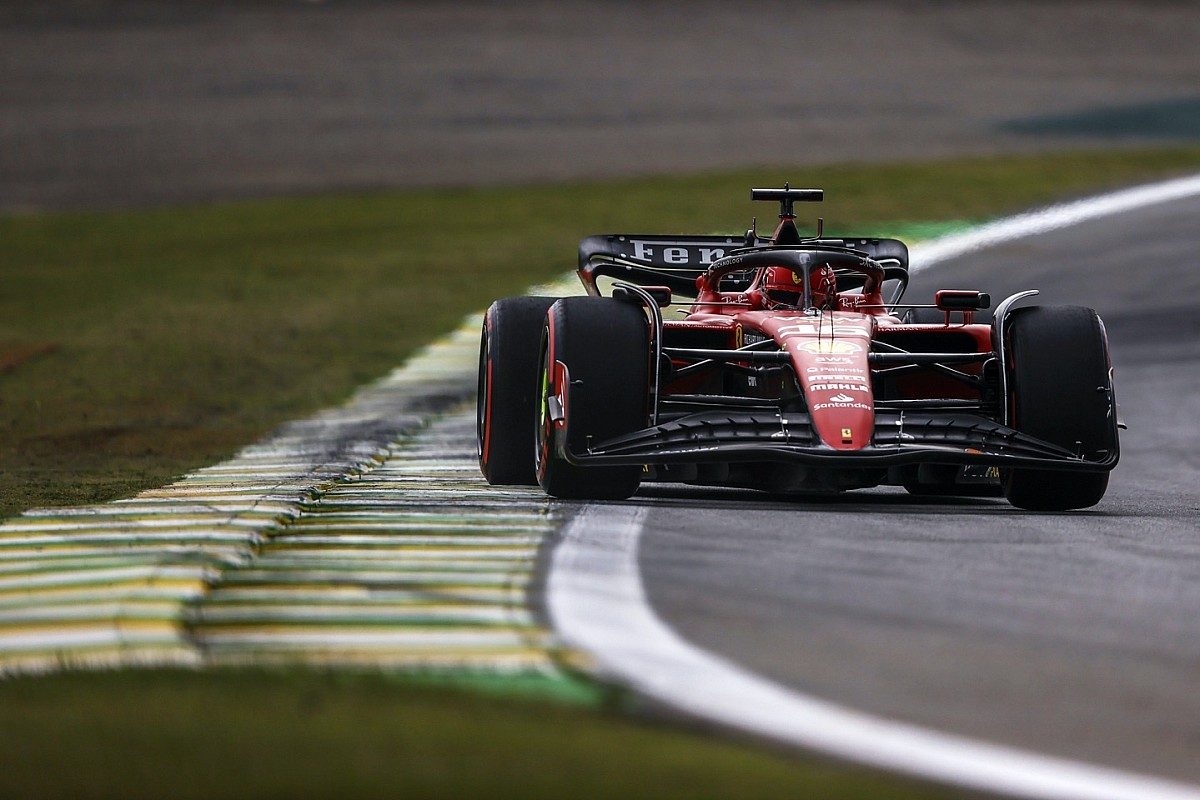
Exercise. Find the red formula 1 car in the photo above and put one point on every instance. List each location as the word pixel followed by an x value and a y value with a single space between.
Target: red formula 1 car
pixel 790 371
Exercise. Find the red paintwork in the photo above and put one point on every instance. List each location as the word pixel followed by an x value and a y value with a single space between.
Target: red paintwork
pixel 487 413
pixel 548 426
pixel 487 420
pixel 829 356
pixel 829 352
pixel 828 349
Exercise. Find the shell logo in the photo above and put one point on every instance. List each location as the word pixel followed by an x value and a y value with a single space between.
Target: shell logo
pixel 830 346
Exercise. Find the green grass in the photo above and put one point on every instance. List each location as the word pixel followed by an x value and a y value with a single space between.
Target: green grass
pixel 299 734
pixel 136 345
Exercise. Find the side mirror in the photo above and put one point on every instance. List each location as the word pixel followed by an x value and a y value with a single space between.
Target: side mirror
pixel 660 294
pixel 961 300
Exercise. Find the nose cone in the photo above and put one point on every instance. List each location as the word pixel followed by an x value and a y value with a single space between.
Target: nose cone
pixel 837 385
pixel 829 355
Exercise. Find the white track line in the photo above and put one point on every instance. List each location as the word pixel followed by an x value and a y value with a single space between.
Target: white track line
pixel 1051 218
pixel 598 604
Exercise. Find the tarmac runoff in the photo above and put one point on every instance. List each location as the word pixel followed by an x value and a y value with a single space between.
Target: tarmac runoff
pixel 361 537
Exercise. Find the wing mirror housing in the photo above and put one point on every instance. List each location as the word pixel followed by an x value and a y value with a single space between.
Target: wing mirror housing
pixel 961 300
pixel 965 301
pixel 660 294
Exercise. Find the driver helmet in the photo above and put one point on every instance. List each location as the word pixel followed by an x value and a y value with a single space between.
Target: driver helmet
pixel 784 288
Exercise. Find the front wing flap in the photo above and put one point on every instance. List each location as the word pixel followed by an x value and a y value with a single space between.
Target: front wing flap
pixel 901 437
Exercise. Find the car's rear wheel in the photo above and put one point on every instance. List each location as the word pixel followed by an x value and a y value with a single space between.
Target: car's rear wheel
pixel 508 370
pixel 1060 392
pixel 593 377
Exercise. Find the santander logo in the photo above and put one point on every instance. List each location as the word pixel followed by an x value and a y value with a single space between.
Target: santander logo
pixel 841 398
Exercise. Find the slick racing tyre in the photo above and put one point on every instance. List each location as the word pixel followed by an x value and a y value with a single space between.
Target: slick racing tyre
pixel 594 377
pixel 508 369
pixel 1060 392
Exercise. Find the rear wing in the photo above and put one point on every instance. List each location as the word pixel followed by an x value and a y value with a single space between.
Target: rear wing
pixel 676 261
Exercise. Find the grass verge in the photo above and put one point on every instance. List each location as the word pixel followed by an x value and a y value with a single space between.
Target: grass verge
pixel 243 734
pixel 140 344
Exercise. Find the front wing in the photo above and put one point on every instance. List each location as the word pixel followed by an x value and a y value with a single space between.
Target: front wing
pixel 900 438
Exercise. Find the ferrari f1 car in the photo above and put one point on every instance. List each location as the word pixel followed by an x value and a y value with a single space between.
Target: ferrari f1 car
pixel 795 368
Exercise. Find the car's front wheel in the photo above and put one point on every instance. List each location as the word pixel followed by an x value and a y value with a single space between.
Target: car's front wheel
pixel 592 382
pixel 1060 392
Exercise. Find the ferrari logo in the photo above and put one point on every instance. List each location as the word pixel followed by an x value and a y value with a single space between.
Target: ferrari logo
pixel 796 278
pixel 847 433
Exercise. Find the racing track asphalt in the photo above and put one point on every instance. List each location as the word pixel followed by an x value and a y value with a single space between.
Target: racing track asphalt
pixel 1072 634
